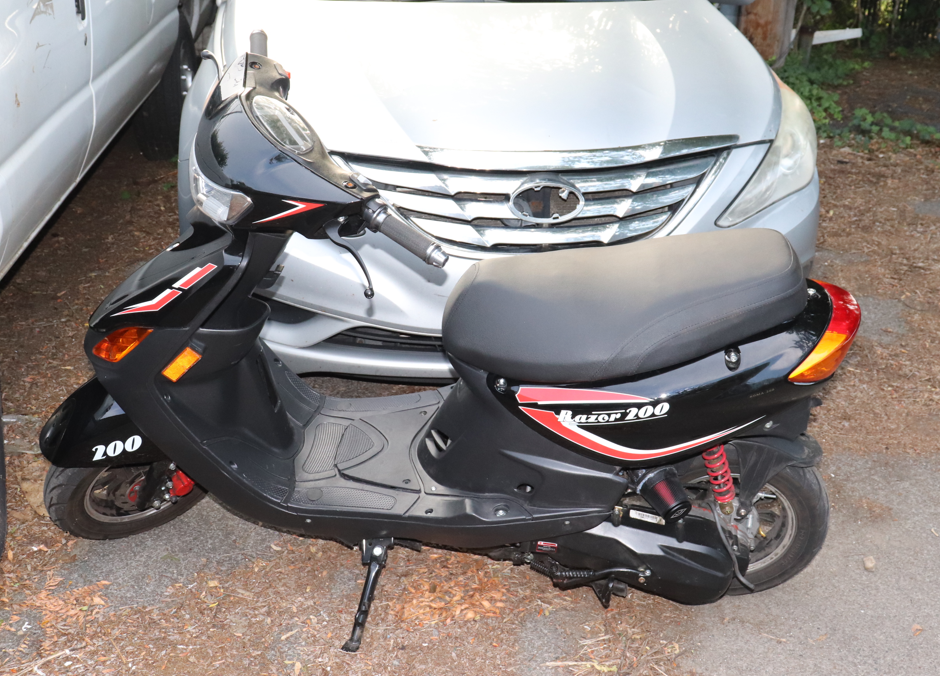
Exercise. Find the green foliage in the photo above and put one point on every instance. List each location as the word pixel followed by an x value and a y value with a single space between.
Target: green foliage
pixel 816 10
pixel 880 125
pixel 812 83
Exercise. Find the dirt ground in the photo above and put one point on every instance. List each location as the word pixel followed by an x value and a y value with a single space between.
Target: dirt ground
pixel 902 87
pixel 285 606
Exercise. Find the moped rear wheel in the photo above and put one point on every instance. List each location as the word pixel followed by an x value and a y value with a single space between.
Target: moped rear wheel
pixel 99 504
pixel 793 509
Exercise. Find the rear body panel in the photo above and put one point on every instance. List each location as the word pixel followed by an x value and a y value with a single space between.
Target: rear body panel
pixel 692 406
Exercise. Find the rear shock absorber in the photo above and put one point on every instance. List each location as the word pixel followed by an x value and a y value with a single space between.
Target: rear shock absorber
pixel 719 474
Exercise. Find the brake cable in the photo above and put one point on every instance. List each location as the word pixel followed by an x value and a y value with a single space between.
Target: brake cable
pixel 332 231
pixel 734 557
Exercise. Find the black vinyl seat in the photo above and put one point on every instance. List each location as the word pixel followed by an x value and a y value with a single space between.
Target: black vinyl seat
pixel 584 315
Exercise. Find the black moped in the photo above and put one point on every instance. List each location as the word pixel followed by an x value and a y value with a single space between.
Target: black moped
pixel 626 416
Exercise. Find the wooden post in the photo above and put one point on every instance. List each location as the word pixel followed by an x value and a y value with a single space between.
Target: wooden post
pixel 768 24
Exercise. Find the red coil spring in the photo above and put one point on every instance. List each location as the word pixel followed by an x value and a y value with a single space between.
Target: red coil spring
pixel 716 464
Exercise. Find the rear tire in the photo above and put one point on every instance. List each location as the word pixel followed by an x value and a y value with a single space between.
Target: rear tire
pixel 796 519
pixel 93 503
pixel 157 122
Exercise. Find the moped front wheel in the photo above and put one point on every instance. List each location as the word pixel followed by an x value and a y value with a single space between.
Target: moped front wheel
pixel 100 504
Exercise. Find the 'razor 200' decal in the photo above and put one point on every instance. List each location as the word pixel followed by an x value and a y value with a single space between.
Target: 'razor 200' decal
pixel 568 425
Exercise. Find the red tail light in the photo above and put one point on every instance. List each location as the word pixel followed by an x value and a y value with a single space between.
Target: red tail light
pixel 829 352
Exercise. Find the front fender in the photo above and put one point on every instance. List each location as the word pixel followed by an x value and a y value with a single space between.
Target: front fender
pixel 89 429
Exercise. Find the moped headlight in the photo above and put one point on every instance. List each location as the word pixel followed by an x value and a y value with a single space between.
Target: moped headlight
pixel 222 205
pixel 788 166
pixel 283 123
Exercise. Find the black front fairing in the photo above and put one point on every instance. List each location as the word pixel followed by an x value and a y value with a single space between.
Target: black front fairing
pixel 231 150
pixel 204 244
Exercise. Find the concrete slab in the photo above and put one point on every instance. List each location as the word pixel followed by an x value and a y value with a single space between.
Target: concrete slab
pixel 835 617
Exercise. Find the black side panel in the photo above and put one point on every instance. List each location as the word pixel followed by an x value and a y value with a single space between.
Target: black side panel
pixel 202 245
pixel 686 560
pixel 481 447
pixel 90 430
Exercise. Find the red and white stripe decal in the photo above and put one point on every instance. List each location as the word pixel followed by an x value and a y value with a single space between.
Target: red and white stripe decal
pixel 299 208
pixel 194 276
pixel 561 395
pixel 151 305
pixel 574 434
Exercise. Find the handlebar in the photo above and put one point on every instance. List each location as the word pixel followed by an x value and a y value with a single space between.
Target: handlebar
pixel 381 217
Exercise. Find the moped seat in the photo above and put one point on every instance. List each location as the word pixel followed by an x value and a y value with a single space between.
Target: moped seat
pixel 590 314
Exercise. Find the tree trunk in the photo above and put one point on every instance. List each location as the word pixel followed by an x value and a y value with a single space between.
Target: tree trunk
pixel 768 25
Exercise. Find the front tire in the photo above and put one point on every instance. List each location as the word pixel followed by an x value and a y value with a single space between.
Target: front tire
pixel 794 513
pixel 97 504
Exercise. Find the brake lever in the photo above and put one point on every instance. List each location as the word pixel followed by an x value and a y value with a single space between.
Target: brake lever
pixel 332 231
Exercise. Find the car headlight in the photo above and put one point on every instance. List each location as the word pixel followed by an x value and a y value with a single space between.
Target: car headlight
pixel 283 123
pixel 787 167
pixel 222 205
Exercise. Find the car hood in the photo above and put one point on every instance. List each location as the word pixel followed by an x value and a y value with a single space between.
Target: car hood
pixel 393 79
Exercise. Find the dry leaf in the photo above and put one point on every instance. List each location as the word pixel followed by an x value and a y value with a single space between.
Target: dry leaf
pixel 917 629
pixel 32 491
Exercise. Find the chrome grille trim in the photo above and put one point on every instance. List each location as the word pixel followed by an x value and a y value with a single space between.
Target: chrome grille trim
pixel 469 211
pixel 495 160
pixel 447 182
pixel 531 237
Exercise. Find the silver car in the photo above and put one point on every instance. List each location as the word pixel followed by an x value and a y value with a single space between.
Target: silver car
pixel 504 128
pixel 72 73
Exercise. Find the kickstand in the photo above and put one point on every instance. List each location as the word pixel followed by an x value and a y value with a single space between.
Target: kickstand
pixel 374 555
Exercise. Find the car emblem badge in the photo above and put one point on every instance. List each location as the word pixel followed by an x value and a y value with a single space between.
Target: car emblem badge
pixel 546 199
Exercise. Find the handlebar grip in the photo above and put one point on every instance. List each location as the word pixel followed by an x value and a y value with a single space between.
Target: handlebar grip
pixel 380 217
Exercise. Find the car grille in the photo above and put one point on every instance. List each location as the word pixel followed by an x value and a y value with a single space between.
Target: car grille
pixel 470 209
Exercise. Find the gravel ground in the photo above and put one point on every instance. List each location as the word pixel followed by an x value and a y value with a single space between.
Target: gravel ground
pixel 213 593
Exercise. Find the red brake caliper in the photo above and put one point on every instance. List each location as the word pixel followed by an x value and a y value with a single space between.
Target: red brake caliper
pixel 182 484
pixel 133 490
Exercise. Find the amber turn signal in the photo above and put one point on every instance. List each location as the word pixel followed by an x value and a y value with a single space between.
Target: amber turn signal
pixel 829 352
pixel 119 343
pixel 184 361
